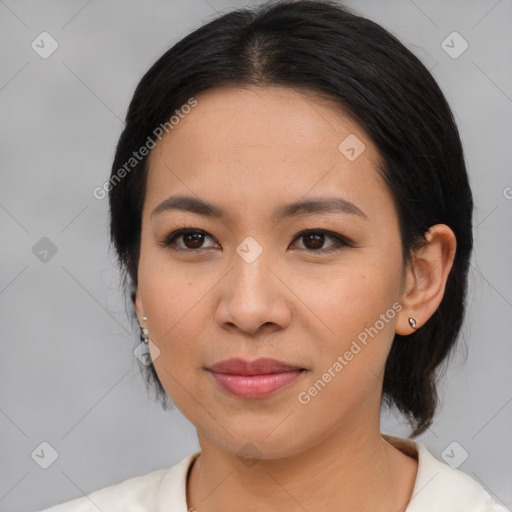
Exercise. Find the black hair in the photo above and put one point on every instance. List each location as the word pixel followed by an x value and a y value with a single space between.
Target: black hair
pixel 324 47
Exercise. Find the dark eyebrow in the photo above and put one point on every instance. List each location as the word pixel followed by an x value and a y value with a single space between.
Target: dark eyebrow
pixel 318 205
pixel 299 208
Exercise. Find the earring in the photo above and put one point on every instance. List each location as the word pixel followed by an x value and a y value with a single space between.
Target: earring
pixel 145 332
pixel 412 322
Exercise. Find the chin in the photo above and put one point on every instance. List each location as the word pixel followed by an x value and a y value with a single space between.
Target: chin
pixel 250 445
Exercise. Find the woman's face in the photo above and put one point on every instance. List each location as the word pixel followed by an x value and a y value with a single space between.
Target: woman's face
pixel 249 285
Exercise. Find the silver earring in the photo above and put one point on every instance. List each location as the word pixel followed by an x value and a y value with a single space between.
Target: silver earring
pixel 145 332
pixel 412 322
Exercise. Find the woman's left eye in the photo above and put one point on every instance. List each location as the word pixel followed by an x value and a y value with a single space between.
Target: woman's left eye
pixel 314 239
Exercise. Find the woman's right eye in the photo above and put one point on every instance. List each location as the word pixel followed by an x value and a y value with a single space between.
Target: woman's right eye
pixel 191 240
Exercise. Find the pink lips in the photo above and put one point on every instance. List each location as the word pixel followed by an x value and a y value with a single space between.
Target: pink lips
pixel 254 379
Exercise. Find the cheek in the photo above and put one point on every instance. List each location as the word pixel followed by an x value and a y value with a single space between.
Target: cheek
pixel 359 308
pixel 175 314
pixel 348 370
pixel 354 298
pixel 174 307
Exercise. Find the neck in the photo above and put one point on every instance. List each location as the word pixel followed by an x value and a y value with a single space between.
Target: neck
pixel 361 471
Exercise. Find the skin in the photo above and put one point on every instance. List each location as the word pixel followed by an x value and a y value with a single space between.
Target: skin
pixel 251 150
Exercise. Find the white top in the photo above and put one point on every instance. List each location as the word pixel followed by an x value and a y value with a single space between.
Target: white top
pixel 438 487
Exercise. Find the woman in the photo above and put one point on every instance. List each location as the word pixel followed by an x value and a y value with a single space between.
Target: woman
pixel 290 203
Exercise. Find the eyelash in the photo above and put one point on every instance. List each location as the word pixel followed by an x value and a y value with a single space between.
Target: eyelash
pixel 168 241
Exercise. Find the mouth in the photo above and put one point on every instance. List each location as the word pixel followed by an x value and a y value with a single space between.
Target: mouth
pixel 254 379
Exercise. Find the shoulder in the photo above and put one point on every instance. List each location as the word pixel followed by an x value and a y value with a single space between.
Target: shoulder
pixel 442 488
pixel 135 494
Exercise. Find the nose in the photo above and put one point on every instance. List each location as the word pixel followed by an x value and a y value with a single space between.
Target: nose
pixel 253 298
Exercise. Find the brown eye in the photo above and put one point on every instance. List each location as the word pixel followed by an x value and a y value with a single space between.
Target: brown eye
pixel 313 241
pixel 192 239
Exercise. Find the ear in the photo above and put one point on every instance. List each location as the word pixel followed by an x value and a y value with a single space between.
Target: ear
pixel 138 305
pixel 426 277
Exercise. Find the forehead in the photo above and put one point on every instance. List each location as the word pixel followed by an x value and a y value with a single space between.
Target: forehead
pixel 261 141
pixel 270 116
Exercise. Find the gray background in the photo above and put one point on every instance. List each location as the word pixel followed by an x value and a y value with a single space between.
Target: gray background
pixel 68 375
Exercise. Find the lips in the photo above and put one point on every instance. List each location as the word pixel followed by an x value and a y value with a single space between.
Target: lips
pixel 254 379
pixel 260 366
